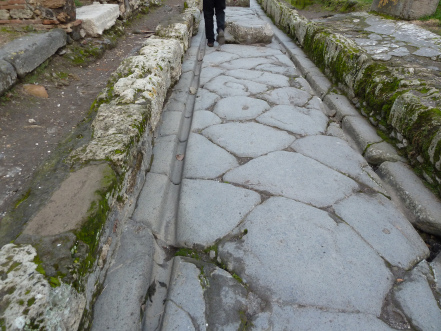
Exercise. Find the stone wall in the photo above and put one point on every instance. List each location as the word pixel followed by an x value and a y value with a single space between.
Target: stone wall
pixel 45 12
pixel 406 9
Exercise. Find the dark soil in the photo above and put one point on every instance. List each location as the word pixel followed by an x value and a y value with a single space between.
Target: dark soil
pixel 31 128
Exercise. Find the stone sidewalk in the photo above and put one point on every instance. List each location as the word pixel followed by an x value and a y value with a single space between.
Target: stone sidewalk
pixel 275 220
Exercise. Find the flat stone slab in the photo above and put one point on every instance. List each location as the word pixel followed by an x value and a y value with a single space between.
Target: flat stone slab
pixel 266 78
pixel 226 86
pixel 425 207
pixel 69 205
pixel 209 73
pixel 298 120
pixel 294 176
pixel 240 108
pixel 309 318
pixel 179 314
pixel 206 160
pixel 360 131
pixel 205 99
pixel 277 69
pixel 417 301
pixel 318 262
pixel 246 63
pixel 338 155
pixel 202 119
pixel 97 17
pixel 209 210
pixel 26 53
pixel 383 226
pixel 250 31
pixel 248 139
pixel 287 96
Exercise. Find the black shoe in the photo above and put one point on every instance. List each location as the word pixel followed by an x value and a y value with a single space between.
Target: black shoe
pixel 221 37
pixel 210 44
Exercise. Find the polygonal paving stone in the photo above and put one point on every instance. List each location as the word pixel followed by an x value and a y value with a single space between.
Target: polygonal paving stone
pixel 249 51
pixel 248 139
pixel 293 253
pixel 246 63
pixel 338 155
pixel 205 99
pixel 276 69
pixel 298 120
pixel 417 301
pixel 202 119
pixel 229 86
pixel 380 223
pixel 185 305
pixel 302 84
pixel 209 73
pixel 260 77
pixel 206 160
pixel 287 96
pixel 216 58
pixel 240 108
pixel 209 210
pixel 294 176
pixel 309 318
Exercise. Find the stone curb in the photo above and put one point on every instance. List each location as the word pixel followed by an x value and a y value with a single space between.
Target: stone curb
pixel 23 55
pixel 75 259
pixel 410 118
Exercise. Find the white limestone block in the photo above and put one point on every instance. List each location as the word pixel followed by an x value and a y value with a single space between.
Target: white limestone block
pixel 98 17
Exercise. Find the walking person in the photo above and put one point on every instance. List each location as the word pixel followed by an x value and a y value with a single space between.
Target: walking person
pixel 210 7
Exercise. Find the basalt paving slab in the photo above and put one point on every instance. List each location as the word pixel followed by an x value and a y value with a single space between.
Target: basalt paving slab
pixel 209 210
pixel 266 78
pixel 210 73
pixel 249 51
pixel 276 69
pixel 293 253
pixel 380 223
pixel 248 139
pixel 317 319
pixel 205 99
pixel 215 58
pixel 226 86
pixel 240 108
pixel 298 120
pixel 338 155
pixel 287 96
pixel 202 119
pixel 246 63
pixel 206 160
pixel 294 176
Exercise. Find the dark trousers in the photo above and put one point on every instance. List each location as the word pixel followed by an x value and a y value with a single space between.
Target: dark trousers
pixel 210 6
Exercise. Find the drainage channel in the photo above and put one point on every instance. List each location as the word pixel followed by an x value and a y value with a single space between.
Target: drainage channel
pixel 153 307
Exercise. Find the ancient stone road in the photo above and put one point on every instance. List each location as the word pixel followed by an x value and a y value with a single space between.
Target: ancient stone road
pixel 280 223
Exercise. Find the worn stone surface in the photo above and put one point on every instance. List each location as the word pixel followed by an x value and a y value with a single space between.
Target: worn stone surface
pixel 202 119
pixel 420 202
pixel 380 223
pixel 380 152
pixel 248 139
pixel 288 96
pixel 127 281
pixel 226 86
pixel 306 245
pixel 205 160
pixel 417 301
pixel 298 120
pixel 185 284
pixel 27 53
pixel 203 215
pixel 8 76
pixel 294 176
pixel 27 298
pixel 250 32
pixel 240 108
pixel 360 131
pixel 70 205
pixel 409 10
pixel 97 17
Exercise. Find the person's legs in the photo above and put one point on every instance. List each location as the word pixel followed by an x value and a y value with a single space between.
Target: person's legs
pixel 220 5
pixel 208 17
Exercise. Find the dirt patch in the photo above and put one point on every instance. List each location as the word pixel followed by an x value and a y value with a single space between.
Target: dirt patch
pixel 31 128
